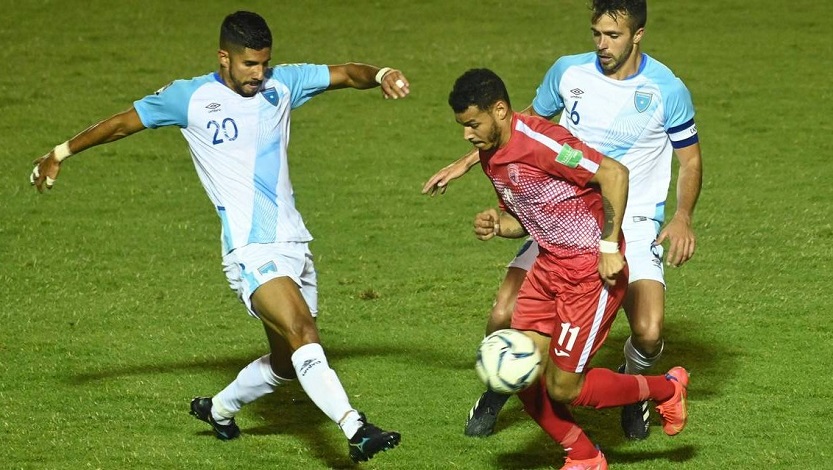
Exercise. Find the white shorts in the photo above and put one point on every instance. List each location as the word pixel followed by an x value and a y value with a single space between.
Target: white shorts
pixel 644 257
pixel 250 266
pixel 525 257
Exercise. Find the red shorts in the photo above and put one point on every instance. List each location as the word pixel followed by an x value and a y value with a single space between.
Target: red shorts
pixel 567 300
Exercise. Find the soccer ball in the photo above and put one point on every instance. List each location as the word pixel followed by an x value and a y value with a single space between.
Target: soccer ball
pixel 508 361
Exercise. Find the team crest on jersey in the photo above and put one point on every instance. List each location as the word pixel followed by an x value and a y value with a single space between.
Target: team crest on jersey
pixel 642 100
pixel 513 174
pixel 271 95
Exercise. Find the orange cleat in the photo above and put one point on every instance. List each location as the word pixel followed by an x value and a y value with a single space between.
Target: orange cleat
pixel 674 411
pixel 596 463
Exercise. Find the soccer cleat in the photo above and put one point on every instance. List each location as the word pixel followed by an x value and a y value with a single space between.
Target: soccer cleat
pixel 635 417
pixel 674 411
pixel 370 440
pixel 201 409
pixel 596 463
pixel 483 415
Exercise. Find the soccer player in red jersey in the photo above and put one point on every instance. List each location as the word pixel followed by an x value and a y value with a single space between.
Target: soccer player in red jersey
pixel 571 200
pixel 632 108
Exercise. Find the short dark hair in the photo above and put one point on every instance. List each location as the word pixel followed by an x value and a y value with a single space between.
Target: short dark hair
pixel 244 29
pixel 479 87
pixel 636 11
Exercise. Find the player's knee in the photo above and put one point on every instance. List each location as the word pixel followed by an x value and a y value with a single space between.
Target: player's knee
pixel 647 326
pixel 297 330
pixel 302 331
pixel 647 339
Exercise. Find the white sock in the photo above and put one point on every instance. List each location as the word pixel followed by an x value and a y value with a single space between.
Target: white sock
pixel 323 387
pixel 254 381
pixel 635 362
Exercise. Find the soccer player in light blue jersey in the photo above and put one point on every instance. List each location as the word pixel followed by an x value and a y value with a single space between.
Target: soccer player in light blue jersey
pixel 630 107
pixel 236 122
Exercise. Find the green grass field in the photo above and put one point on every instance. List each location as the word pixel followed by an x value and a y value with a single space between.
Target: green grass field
pixel 114 311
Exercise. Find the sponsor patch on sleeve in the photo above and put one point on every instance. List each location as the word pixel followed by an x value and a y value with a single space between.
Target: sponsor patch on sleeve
pixel 569 156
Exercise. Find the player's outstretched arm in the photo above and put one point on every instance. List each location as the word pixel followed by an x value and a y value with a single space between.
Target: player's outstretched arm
pixel 612 178
pixel 113 128
pixel 678 231
pixel 438 183
pixel 362 76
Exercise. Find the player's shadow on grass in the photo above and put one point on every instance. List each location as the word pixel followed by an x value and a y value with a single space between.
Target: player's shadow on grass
pixel 288 411
pixel 544 453
pixel 225 365
pixel 230 365
pixel 602 427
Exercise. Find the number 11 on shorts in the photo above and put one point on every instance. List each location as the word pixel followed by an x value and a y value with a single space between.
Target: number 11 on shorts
pixel 566 340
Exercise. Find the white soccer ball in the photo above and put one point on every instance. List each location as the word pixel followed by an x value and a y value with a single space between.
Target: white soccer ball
pixel 508 361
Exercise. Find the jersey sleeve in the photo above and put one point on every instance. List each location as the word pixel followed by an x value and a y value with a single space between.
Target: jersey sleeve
pixel 567 157
pixel 303 80
pixel 679 115
pixel 166 107
pixel 547 101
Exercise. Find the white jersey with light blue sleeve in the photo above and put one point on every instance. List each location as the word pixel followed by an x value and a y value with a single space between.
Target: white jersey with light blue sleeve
pixel 239 147
pixel 637 121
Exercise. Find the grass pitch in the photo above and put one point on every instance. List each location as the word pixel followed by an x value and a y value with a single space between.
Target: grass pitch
pixel 115 311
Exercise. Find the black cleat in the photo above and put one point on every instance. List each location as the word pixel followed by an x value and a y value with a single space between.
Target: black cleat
pixel 370 440
pixel 635 418
pixel 483 415
pixel 201 409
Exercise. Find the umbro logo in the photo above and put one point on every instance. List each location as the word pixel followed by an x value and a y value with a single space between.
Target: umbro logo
pixel 307 365
pixel 213 107
pixel 577 91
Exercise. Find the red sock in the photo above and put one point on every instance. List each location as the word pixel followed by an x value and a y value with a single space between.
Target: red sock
pixel 604 388
pixel 557 421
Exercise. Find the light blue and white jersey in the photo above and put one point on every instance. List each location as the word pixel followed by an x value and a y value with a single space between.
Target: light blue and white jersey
pixel 637 121
pixel 239 147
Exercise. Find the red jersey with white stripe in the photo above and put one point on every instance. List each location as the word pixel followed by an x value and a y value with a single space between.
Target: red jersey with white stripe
pixel 541 176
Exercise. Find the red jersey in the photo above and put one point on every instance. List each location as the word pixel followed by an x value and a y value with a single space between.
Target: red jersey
pixel 541 176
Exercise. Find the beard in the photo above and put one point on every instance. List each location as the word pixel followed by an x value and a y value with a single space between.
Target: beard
pixel 245 89
pixel 494 137
pixel 617 61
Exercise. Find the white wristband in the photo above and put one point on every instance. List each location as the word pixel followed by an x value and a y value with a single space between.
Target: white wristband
pixel 381 74
pixel 62 151
pixel 608 247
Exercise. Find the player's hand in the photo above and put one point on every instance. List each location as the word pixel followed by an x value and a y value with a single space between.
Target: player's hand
pixel 45 172
pixel 610 267
pixel 681 240
pixel 394 85
pixel 487 224
pixel 438 183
